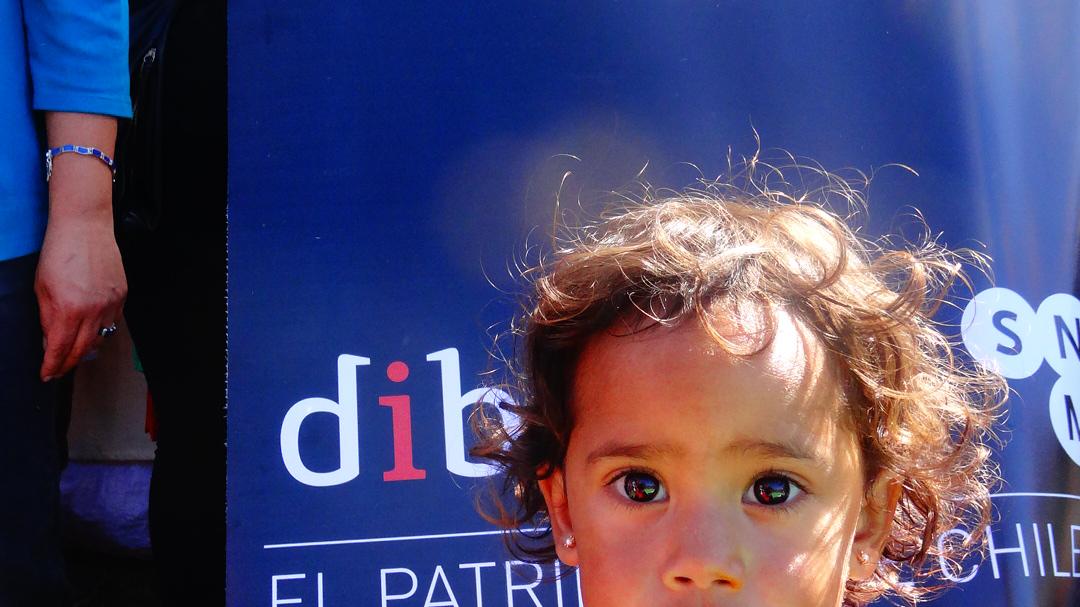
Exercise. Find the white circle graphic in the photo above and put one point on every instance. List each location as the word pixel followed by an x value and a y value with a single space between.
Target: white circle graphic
pixel 1065 414
pixel 1059 331
pixel 999 330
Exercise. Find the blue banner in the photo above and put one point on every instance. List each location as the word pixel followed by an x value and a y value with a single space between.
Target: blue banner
pixel 390 162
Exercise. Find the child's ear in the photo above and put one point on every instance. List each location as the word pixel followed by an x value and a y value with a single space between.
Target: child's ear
pixel 875 523
pixel 554 489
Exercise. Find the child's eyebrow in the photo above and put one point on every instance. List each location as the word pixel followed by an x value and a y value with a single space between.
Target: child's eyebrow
pixel 634 451
pixel 772 449
pixel 742 447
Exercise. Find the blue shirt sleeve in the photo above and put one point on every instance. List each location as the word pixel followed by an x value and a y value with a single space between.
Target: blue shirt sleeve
pixel 78 51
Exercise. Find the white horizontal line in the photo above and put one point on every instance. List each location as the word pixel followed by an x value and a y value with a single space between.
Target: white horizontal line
pixel 402 538
pixel 442 536
pixel 1067 496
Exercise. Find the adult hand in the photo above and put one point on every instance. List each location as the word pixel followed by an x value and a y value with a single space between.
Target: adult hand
pixel 80 281
pixel 80 287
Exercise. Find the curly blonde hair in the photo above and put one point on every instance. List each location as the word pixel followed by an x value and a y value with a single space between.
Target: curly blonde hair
pixel 922 414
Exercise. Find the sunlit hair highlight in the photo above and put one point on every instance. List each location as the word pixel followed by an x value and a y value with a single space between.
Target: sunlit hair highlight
pixel 922 414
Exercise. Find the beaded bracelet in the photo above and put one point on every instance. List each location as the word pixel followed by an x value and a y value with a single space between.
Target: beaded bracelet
pixel 77 149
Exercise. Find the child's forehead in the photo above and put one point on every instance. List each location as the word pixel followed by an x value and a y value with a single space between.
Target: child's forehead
pixel 741 331
pixel 752 349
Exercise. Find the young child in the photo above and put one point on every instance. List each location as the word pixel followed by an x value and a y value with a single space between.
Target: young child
pixel 729 398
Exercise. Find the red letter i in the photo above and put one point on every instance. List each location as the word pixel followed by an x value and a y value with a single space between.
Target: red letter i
pixel 403 470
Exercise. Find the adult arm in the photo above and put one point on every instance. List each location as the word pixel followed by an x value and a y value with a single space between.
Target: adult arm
pixel 80 281
pixel 78 55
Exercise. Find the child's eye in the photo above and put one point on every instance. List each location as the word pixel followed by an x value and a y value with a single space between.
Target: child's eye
pixel 772 490
pixel 640 487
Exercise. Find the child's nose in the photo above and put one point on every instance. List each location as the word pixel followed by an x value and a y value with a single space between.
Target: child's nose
pixel 705 553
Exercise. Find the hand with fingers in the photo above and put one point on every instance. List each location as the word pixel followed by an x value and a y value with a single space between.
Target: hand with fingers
pixel 80 282
pixel 80 287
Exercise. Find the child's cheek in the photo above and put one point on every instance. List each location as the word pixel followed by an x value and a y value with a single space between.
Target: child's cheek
pixel 810 578
pixel 619 558
pixel 610 577
pixel 810 556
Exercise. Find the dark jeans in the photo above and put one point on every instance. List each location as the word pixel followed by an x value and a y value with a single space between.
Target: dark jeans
pixel 31 562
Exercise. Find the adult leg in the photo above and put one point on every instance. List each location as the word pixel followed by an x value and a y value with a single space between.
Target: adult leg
pixel 185 372
pixel 176 313
pixel 31 561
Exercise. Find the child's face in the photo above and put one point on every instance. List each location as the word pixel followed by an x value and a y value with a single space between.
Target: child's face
pixel 693 477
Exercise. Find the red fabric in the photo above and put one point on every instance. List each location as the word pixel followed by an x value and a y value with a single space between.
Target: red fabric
pixel 150 426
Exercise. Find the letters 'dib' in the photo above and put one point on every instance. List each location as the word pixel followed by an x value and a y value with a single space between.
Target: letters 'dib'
pixel 346 410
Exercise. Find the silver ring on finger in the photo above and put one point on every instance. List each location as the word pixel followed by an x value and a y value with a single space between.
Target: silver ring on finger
pixel 107 331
